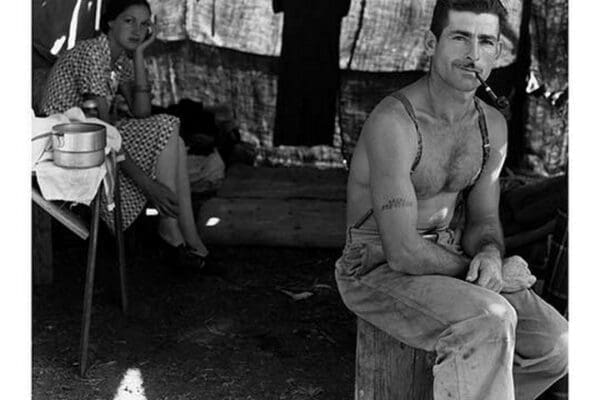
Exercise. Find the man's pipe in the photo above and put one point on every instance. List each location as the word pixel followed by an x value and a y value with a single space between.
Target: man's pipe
pixel 501 102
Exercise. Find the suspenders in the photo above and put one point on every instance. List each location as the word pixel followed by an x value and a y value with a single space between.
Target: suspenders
pixel 485 140
pixel 413 116
pixel 411 113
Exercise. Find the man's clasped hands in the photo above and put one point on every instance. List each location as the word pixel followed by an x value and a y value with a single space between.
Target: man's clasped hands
pixel 487 269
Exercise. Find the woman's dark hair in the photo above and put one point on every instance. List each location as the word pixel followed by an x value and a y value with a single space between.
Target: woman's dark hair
pixel 442 8
pixel 115 7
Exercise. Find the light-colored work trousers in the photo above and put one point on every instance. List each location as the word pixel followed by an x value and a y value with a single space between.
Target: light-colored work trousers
pixel 488 345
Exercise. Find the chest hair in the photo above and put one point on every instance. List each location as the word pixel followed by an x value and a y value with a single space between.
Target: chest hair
pixel 450 161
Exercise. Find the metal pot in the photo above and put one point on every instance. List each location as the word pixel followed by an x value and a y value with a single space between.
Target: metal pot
pixel 78 144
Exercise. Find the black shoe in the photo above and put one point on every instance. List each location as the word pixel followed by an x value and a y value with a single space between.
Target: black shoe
pixel 181 257
pixel 188 259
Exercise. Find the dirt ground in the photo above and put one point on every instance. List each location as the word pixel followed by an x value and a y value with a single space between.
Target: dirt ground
pixel 231 332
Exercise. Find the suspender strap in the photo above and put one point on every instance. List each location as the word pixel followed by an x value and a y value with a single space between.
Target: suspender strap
pixel 363 219
pixel 485 139
pixel 413 116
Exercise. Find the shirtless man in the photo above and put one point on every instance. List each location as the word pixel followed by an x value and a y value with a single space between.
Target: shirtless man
pixel 406 268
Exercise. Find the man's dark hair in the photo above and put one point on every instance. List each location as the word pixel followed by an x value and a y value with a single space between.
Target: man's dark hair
pixel 443 7
pixel 116 7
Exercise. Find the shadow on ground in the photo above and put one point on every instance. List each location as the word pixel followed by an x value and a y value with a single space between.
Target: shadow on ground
pixel 232 332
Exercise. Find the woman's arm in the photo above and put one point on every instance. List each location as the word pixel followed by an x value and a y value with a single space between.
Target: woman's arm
pixel 138 95
pixel 103 107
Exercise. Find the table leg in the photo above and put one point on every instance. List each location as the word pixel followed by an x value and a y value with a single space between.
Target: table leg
pixel 41 246
pixel 120 242
pixel 89 284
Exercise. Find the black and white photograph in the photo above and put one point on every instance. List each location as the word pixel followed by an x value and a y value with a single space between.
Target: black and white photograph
pixel 299 200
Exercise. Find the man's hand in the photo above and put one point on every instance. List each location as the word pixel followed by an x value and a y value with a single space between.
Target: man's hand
pixel 516 275
pixel 365 256
pixel 163 198
pixel 485 269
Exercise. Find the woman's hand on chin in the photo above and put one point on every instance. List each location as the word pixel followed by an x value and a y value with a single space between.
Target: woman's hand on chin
pixel 142 47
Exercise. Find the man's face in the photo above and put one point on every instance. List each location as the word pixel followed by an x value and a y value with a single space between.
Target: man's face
pixel 468 44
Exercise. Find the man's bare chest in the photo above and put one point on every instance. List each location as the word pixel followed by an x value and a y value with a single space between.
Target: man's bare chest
pixel 451 159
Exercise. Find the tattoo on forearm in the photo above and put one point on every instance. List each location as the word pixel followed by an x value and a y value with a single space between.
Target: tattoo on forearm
pixel 397 202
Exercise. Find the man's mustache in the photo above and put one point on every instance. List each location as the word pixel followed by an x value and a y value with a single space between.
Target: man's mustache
pixel 470 66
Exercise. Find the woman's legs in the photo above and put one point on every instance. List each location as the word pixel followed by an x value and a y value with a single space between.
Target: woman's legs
pixel 186 219
pixel 166 173
pixel 171 170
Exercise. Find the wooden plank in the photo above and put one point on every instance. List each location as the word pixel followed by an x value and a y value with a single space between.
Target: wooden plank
pixel 284 183
pixel 41 246
pixel 273 222
pixel 62 215
pixel 389 369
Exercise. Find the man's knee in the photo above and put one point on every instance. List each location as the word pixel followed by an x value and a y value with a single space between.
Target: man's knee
pixel 492 320
pixel 559 357
pixel 498 318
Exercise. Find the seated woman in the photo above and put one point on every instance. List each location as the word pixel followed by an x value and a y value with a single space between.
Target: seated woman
pixel 155 156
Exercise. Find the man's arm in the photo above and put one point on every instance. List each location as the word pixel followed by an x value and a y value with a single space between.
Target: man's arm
pixel 391 145
pixel 483 237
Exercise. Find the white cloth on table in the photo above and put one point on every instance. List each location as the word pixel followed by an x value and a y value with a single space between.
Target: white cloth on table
pixel 72 185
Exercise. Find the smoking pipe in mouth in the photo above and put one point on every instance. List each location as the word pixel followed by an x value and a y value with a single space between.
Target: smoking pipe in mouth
pixel 501 102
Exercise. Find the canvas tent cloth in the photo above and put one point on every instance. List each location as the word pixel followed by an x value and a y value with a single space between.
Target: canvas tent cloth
pixel 224 51
pixel 546 128
pixel 390 39
pixel 57 24
pixel 231 56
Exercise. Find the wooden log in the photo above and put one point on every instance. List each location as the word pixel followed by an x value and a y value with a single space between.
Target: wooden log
pixel 273 222
pixel 284 183
pixel 297 207
pixel 41 246
pixel 387 369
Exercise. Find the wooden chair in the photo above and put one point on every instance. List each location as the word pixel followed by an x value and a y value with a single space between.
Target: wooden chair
pixel 90 232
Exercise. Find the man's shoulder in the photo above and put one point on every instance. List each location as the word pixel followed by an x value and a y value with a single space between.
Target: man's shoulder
pixel 389 120
pixel 391 109
pixel 492 114
pixel 391 123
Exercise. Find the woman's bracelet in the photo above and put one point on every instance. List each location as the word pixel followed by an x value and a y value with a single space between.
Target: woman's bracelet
pixel 141 88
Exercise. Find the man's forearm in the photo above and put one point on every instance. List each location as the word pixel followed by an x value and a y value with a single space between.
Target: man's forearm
pixel 483 237
pixel 407 251
pixel 431 259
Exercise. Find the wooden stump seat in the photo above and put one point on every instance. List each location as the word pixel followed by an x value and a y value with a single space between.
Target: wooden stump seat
pixel 387 369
